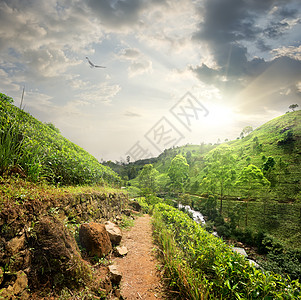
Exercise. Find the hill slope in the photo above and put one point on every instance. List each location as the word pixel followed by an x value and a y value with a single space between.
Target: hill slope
pixel 38 150
pixel 279 138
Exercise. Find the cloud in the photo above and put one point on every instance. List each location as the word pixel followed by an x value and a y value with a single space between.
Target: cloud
pixel 45 38
pixel 139 63
pixel 121 13
pixel 229 27
pixel 131 114
pixel 7 85
pixel 275 30
pixel 206 74
pixel 140 67
pixel 130 53
pixel 99 93
pixel 289 51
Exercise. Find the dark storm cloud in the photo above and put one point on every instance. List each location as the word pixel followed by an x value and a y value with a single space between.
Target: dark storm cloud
pixel 262 76
pixel 276 29
pixel 229 21
pixel 288 12
pixel 227 27
pixel 206 74
pixel 262 45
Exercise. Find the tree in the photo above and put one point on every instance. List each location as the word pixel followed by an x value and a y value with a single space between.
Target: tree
pixel 251 177
pixel 293 106
pixel 246 131
pixel 268 167
pixel 178 172
pixel 148 179
pixel 219 172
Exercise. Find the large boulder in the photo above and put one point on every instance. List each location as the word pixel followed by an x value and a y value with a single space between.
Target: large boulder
pixel 94 237
pixel 114 232
pixel 56 259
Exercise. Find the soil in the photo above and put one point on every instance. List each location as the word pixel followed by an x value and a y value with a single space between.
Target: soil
pixel 140 277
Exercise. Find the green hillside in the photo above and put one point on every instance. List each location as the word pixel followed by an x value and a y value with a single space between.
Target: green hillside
pixel 38 151
pixel 248 189
pixel 279 138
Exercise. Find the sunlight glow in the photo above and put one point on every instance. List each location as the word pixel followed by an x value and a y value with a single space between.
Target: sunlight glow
pixel 219 115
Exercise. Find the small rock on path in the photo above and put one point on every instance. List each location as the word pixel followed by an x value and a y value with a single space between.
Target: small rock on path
pixel 140 278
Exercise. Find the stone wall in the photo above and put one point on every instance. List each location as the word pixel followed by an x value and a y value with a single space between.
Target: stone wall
pixel 38 244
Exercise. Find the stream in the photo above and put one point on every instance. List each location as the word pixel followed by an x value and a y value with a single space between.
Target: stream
pixel 199 218
pixel 196 215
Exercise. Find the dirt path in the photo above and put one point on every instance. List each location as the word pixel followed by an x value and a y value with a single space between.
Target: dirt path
pixel 140 279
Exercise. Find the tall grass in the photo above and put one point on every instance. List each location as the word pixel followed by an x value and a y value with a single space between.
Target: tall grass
pixel 10 148
pixel 18 155
pixel 181 278
pixel 38 151
pixel 202 266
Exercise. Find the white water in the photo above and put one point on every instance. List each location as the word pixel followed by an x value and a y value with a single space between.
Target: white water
pixel 197 216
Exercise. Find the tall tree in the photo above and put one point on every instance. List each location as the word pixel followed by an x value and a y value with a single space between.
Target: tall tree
pixel 178 172
pixel 148 179
pixel 219 172
pixel 250 178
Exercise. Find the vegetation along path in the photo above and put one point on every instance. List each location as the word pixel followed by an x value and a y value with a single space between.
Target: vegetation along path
pixel 140 278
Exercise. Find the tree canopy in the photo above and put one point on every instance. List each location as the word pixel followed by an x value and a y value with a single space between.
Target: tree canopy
pixel 178 172
pixel 219 172
pixel 148 179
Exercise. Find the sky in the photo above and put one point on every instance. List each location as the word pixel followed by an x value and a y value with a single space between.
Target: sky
pixel 176 71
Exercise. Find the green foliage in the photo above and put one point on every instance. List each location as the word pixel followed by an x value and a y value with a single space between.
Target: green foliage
pixel 293 106
pixel 145 206
pixel 7 99
pixel 10 146
pixel 126 222
pixel 219 172
pixel 203 267
pixel 178 172
pixel 148 179
pixel 133 191
pixel 269 164
pixel 50 125
pixel 251 177
pixel 41 152
pixel 246 130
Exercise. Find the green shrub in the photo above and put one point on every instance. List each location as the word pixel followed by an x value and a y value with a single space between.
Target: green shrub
pixel 41 152
pixel 204 267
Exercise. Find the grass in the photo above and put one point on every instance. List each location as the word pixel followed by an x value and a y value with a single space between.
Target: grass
pixel 38 151
pixel 17 190
pixel 201 266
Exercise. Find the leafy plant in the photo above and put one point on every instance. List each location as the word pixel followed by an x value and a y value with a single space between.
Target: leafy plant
pixel 41 152
pixel 203 267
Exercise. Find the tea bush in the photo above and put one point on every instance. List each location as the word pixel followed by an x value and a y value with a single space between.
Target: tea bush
pixel 204 267
pixel 27 145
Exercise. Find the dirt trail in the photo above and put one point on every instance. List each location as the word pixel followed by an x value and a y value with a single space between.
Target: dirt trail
pixel 140 278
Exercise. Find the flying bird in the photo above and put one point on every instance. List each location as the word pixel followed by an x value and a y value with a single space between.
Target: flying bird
pixel 92 65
